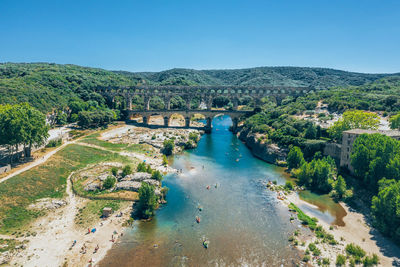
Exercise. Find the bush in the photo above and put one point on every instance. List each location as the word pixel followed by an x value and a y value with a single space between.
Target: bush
pixel 371 261
pixel 168 147
pixel 289 185
pixel 355 250
pixel 114 171
pixel 157 176
pixel 306 258
pixel 141 167
pixel 109 182
pixel 126 170
pixel 340 260
pixel 54 143
pixel 147 201
pixel 295 158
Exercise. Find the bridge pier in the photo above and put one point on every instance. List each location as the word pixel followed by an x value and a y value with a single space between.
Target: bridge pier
pixel 129 102
pixel 146 120
pixel 166 121
pixel 208 126
pixel 146 103
pixel 187 122
pixel 235 122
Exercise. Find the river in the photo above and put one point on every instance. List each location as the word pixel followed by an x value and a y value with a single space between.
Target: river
pixel 244 223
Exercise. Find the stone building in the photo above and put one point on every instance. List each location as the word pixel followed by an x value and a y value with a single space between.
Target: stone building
pixel 348 140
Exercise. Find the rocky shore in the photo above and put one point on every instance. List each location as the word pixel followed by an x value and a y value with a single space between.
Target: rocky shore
pixel 270 153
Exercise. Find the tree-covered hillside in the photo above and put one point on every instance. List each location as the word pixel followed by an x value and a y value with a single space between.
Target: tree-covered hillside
pixel 47 86
pixel 274 76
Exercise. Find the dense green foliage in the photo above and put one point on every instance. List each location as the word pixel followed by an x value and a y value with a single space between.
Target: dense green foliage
pixel 386 208
pixel 147 201
pixel 318 175
pixel 168 147
pixel 157 175
pixel 109 182
pixel 395 122
pixel 275 76
pixel 382 94
pixel 340 187
pixel 375 156
pixel 353 119
pixel 126 170
pixel 48 86
pixel 295 158
pixel 97 118
pixel 22 124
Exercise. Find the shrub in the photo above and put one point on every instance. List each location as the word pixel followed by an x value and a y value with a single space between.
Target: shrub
pixel 306 258
pixel 141 167
pixel 289 185
pixel 156 175
pixel 114 171
pixel 295 158
pixel 355 250
pixel 126 170
pixel 340 260
pixel 109 182
pixel 168 147
pixel 147 201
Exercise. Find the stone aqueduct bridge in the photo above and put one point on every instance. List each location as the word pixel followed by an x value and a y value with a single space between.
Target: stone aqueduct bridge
pixel 206 93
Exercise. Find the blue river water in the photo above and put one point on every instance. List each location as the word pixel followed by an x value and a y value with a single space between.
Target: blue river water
pixel 244 223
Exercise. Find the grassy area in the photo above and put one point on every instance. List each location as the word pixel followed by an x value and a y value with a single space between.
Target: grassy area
pixel 93 139
pixel 45 180
pixel 305 219
pixel 91 212
pixel 8 244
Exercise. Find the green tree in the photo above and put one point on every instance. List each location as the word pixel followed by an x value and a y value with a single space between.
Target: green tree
pixel 386 208
pixel 353 119
pixel 114 171
pixel 149 169
pixel 340 187
pixel 375 156
pixel 109 182
pixel 157 175
pixel 168 147
pixel 24 125
pixel 141 167
pixel 317 174
pixel 295 158
pixel 126 170
pixel 311 132
pixel 395 122
pixel 147 201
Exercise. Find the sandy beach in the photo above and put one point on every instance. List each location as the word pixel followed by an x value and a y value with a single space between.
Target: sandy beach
pixel 356 230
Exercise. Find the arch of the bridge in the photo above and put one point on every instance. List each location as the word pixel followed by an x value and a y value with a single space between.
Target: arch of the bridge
pixel 187 115
pixel 206 93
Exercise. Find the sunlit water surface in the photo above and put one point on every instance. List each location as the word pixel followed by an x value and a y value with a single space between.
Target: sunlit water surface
pixel 245 224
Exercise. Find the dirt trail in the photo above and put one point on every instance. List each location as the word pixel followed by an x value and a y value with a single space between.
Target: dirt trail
pixel 36 162
pixel 55 235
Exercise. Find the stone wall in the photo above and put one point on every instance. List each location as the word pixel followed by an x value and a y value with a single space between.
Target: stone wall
pixel 333 150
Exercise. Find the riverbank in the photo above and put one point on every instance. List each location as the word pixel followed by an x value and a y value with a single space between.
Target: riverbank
pixel 48 240
pixel 356 230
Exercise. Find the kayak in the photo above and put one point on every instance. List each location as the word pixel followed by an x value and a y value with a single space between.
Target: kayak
pixel 205 243
pixel 197 219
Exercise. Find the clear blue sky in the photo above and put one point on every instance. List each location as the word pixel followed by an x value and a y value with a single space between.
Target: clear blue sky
pixel 151 35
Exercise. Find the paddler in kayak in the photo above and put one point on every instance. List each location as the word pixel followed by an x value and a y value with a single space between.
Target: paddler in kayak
pixel 206 243
pixel 197 219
